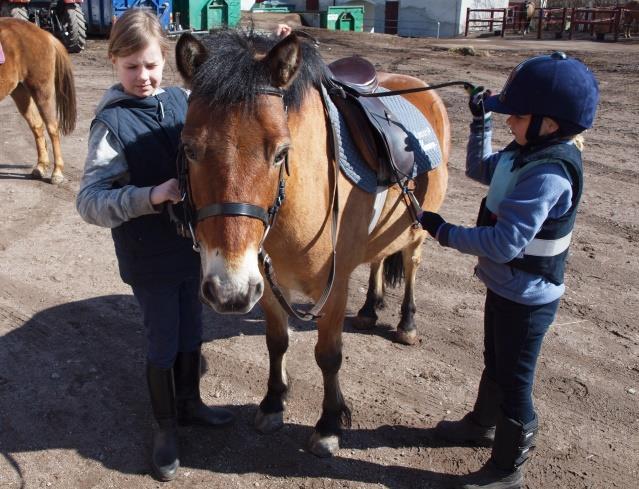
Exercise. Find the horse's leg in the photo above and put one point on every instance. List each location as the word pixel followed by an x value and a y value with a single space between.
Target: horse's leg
pixel 406 330
pixel 270 414
pixel 45 101
pixel 29 111
pixel 367 316
pixel 328 354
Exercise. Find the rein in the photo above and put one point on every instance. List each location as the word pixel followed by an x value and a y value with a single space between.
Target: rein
pixel 267 216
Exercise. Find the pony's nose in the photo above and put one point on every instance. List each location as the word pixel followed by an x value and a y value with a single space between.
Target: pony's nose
pixel 225 301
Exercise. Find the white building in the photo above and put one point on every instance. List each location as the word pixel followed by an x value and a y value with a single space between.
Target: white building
pixel 416 18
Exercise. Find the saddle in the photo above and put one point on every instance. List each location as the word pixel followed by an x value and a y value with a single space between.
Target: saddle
pixel 376 132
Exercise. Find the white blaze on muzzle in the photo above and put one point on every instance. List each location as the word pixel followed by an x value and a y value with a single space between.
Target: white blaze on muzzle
pixel 231 287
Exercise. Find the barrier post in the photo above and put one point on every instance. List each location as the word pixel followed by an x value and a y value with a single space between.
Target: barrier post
pixel 503 22
pixel 467 21
pixel 572 22
pixel 540 23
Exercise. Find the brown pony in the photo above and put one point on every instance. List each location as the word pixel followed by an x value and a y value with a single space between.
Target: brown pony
pixel 256 122
pixel 38 75
pixel 630 15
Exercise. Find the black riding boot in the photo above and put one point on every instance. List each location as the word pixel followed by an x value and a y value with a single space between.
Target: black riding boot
pixel 478 426
pixel 512 447
pixel 190 408
pixel 164 458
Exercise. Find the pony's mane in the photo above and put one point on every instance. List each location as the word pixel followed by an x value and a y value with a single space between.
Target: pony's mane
pixel 231 73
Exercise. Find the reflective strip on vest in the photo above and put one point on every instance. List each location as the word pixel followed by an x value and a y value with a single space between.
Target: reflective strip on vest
pixel 548 247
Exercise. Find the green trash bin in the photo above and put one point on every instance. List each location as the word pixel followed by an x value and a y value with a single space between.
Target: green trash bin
pixel 349 18
pixel 222 13
pixel 201 15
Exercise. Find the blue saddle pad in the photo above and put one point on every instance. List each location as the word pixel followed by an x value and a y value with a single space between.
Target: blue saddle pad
pixel 420 140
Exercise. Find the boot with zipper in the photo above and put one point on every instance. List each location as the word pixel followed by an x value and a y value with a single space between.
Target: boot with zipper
pixel 190 408
pixel 513 444
pixel 476 428
pixel 164 457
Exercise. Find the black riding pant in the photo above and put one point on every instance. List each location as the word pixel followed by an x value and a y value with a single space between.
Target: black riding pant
pixel 513 334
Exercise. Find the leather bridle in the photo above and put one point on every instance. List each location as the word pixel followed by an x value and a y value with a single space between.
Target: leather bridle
pixel 192 216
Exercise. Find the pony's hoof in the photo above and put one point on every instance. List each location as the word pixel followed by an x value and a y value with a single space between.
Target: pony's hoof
pixel 323 446
pixel 268 423
pixel 406 337
pixel 364 322
pixel 38 173
pixel 57 179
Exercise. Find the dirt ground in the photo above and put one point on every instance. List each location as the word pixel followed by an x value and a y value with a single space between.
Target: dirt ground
pixel 74 410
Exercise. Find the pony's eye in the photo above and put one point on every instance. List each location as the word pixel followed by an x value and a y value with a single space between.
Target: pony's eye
pixel 190 152
pixel 280 157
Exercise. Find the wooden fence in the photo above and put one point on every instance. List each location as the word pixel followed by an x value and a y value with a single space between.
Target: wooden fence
pixel 599 21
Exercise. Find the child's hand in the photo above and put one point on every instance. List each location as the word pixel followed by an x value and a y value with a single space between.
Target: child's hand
pixel 431 222
pixel 282 30
pixel 168 191
pixel 476 103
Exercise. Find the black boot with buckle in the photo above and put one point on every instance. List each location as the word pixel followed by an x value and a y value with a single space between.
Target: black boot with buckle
pixel 477 428
pixel 190 408
pixel 512 447
pixel 164 458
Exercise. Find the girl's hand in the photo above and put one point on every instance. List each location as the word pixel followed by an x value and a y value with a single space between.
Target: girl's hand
pixel 168 191
pixel 282 30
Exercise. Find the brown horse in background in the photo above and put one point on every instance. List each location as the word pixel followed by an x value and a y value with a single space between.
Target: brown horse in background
pixel 257 123
pixel 38 75
pixel 525 15
pixel 630 15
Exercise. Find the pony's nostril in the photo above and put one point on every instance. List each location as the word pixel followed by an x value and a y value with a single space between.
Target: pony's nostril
pixel 259 288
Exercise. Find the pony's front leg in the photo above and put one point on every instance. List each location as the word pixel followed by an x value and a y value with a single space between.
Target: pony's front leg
pixel 328 354
pixel 270 414
pixel 406 329
pixel 367 315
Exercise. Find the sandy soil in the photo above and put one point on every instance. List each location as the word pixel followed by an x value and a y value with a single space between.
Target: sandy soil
pixel 73 404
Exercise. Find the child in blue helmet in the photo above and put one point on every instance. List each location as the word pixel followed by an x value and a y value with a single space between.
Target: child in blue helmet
pixel 521 240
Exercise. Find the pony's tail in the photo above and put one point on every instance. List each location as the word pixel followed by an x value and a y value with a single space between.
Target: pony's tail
pixel 64 89
pixel 394 269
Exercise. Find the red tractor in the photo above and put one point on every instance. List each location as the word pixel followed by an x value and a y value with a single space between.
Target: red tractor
pixel 63 18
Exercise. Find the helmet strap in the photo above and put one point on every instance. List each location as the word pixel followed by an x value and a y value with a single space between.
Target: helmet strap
pixel 534 127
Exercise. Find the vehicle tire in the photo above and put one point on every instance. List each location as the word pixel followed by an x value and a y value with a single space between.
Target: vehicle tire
pixel 74 28
pixel 17 12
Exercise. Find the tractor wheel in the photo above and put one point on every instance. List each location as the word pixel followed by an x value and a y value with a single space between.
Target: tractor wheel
pixel 74 28
pixel 15 11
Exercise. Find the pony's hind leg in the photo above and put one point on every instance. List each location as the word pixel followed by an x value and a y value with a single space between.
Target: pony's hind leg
pixel 270 414
pixel 406 329
pixel 367 315
pixel 328 354
pixel 29 111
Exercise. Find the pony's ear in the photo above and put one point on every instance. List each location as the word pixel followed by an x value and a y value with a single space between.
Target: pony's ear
pixel 283 61
pixel 190 53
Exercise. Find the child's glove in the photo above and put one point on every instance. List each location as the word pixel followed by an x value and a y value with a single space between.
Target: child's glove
pixel 476 103
pixel 431 222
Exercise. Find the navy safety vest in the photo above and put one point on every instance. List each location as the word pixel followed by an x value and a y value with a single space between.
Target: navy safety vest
pixel 148 247
pixel 546 254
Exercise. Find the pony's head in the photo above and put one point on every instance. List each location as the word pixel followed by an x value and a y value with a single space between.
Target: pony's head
pixel 235 143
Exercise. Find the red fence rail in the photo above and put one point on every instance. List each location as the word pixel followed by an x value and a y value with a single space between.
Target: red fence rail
pixel 601 20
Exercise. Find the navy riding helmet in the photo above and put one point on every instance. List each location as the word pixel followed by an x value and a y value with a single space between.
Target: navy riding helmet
pixel 554 86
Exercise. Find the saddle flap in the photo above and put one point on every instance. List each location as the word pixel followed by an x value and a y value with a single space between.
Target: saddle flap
pixel 378 135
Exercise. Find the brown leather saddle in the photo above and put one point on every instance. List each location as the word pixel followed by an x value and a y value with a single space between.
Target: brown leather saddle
pixel 378 135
